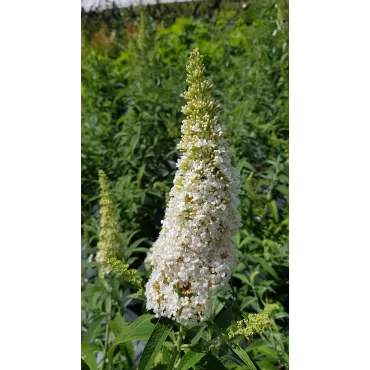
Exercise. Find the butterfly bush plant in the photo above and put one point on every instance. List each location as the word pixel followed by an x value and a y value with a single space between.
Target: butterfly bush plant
pixel 181 309
pixel 192 319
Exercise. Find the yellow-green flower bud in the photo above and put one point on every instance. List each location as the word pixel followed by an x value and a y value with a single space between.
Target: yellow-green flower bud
pixel 110 255
pixel 254 323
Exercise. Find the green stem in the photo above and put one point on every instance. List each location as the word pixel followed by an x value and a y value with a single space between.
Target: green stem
pixel 109 309
pixel 127 355
pixel 176 349
pixel 236 298
pixel 186 346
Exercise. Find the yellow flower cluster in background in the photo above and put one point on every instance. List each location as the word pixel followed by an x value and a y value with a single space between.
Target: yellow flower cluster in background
pixel 254 323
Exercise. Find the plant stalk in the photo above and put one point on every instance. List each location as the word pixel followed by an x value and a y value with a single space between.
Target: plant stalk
pixel 176 349
pixel 109 309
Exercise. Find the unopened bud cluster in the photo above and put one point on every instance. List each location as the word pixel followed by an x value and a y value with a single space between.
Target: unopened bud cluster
pixel 110 256
pixel 253 323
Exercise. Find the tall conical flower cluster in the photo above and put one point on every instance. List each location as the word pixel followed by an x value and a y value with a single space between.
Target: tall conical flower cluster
pixel 110 256
pixel 194 254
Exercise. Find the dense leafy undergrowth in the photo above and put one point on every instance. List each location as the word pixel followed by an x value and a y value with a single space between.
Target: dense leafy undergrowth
pixel 131 118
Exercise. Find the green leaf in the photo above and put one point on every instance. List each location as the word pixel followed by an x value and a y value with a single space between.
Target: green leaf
pixel 281 315
pixel 154 344
pixel 166 355
pixel 90 361
pixel 135 244
pixel 256 344
pixel 120 120
pixel 140 329
pixel 133 143
pixel 190 359
pixel 269 352
pixel 265 363
pixel 210 362
pixel 274 210
pixel 93 327
pixel 84 365
pixel 246 164
pixel 91 291
pixel 160 367
pixel 87 348
pixel 225 318
pixel 217 306
pixel 283 190
pixel 117 325
pixel 250 301
pixel 244 356
pixel 136 295
pixel 122 57
pixel 141 249
pixel 140 173
pixel 241 277
pixel 267 267
pixel 196 338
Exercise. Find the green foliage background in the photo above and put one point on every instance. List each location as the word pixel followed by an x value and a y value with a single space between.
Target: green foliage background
pixel 131 118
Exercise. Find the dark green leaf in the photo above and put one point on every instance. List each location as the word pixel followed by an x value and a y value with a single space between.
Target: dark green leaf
pixel 274 210
pixel 91 291
pixel 160 367
pixel 154 344
pixel 140 329
pixel 210 362
pixel 225 318
pixel 90 361
pixel 267 267
pixel 117 324
pixel 87 348
pixel 166 355
pixel 244 357
pixel 84 365
pixel 196 338
pixel 135 244
pixel 93 327
pixel 269 352
pixel 190 359
pixel 241 277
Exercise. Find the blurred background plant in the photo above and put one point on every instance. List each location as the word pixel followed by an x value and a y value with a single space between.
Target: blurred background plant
pixel 133 72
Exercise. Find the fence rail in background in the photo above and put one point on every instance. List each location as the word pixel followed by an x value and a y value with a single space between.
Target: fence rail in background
pixel 99 5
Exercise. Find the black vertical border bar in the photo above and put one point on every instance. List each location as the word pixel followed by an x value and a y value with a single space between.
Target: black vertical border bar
pixel 292 144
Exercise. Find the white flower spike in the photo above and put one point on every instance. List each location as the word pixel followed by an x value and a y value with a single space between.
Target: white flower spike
pixel 194 254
